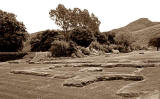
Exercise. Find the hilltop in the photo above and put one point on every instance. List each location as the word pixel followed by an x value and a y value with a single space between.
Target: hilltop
pixel 136 25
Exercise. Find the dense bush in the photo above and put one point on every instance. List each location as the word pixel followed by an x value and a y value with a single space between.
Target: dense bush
pixel 43 40
pixel 5 56
pixel 135 46
pixel 98 46
pixel 82 37
pixel 101 37
pixel 110 37
pixel 62 48
pixel 155 41
pixel 12 33
pixel 124 41
pixel 84 50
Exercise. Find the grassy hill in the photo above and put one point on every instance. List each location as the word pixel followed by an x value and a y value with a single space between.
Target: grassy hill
pixel 144 35
pixel 142 30
pixel 136 25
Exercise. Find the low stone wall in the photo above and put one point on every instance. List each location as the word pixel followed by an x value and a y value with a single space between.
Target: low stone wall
pixel 40 56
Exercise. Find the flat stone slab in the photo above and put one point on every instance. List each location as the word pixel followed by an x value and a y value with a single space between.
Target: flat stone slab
pixel 30 72
pixel 64 76
pixel 79 81
pixel 65 62
pixel 83 80
pixel 111 65
pixel 136 89
pixel 34 62
pixel 133 65
pixel 91 69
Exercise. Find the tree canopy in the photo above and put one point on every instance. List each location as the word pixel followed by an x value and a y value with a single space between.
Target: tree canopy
pixel 12 33
pixel 69 19
pixel 43 40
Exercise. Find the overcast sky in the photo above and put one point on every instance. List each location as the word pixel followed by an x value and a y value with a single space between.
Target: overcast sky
pixel 111 13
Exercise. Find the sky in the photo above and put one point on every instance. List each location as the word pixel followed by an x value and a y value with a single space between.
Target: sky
pixel 112 13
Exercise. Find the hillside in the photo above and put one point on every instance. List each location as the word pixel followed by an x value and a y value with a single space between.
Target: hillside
pixel 142 30
pixel 144 35
pixel 139 24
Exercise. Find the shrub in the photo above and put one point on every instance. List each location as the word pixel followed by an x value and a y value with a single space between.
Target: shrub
pixel 101 38
pixel 112 47
pixel 82 37
pixel 124 41
pixel 62 48
pixel 135 46
pixel 6 56
pixel 98 46
pixel 155 41
pixel 43 40
pixel 85 51
pixel 12 33
pixel 123 49
pixel 110 37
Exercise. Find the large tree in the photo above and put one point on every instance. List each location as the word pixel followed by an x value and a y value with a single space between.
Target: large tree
pixel 12 33
pixel 69 19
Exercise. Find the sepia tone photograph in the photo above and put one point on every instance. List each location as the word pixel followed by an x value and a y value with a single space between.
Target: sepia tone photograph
pixel 79 49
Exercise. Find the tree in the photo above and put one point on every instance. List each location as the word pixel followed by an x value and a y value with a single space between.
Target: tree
pixel 12 33
pixel 69 19
pixel 43 40
pixel 82 37
pixel 82 19
pixel 155 42
pixel 61 16
pixel 124 40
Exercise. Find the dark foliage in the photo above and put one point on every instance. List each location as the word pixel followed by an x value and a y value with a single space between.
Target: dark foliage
pixel 110 37
pixel 5 56
pixel 69 19
pixel 44 39
pixel 155 41
pixel 82 37
pixel 124 41
pixel 12 33
pixel 99 47
pixel 101 37
pixel 62 48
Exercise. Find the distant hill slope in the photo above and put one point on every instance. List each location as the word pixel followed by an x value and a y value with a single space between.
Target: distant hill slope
pixel 144 35
pixel 136 25
pixel 142 30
